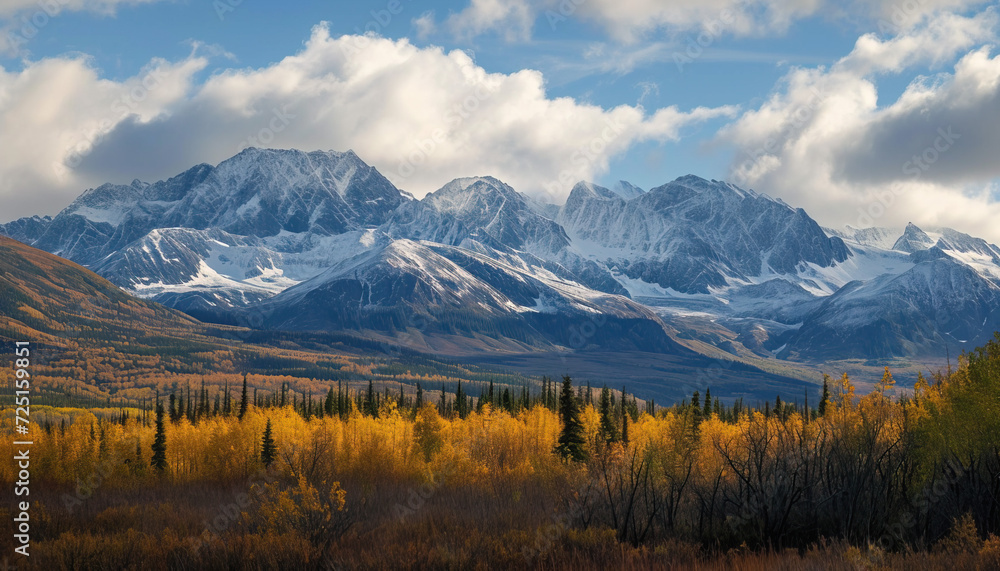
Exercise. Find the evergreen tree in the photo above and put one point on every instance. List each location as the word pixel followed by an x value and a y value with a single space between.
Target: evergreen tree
pixel 202 400
pixel 608 431
pixel 329 404
pixel 268 451
pixel 174 416
pixel 341 400
pixel 707 412
pixel 824 401
pixel 460 401
pixel 243 399
pixel 370 407
pixel 159 460
pixel 571 440
pixel 420 398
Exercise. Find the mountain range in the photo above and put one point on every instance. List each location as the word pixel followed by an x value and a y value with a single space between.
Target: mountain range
pixel 292 240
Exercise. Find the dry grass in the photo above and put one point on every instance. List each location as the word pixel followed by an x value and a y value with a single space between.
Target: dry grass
pixel 463 527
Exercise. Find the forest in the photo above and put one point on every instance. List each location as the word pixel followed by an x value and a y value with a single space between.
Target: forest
pixel 479 476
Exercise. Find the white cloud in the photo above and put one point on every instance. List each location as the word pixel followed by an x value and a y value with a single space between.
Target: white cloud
pixel 52 7
pixel 421 116
pixel 57 108
pixel 513 18
pixel 628 21
pixel 425 25
pixel 823 140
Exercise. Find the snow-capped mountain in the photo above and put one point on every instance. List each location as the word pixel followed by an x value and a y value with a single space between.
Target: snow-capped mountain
pixel 321 240
pixel 260 193
pixel 435 290
pixel 692 235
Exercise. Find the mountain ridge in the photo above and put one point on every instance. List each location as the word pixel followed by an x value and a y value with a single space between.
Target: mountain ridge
pixel 257 228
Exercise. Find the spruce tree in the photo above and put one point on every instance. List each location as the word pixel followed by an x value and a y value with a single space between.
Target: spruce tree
pixel 159 460
pixel 328 405
pixel 708 403
pixel 460 401
pixel 824 401
pixel 571 440
pixel 243 399
pixel 420 398
pixel 608 431
pixel 268 451
pixel 202 400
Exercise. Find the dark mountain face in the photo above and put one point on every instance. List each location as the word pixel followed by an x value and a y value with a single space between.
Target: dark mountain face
pixel 26 230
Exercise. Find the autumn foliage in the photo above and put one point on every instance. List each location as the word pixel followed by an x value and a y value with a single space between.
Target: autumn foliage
pixel 376 479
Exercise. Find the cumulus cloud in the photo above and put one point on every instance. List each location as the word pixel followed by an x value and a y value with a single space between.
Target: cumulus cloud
pixel 55 110
pixel 421 116
pixel 824 141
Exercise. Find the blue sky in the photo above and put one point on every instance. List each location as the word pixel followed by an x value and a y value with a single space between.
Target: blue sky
pixel 819 103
